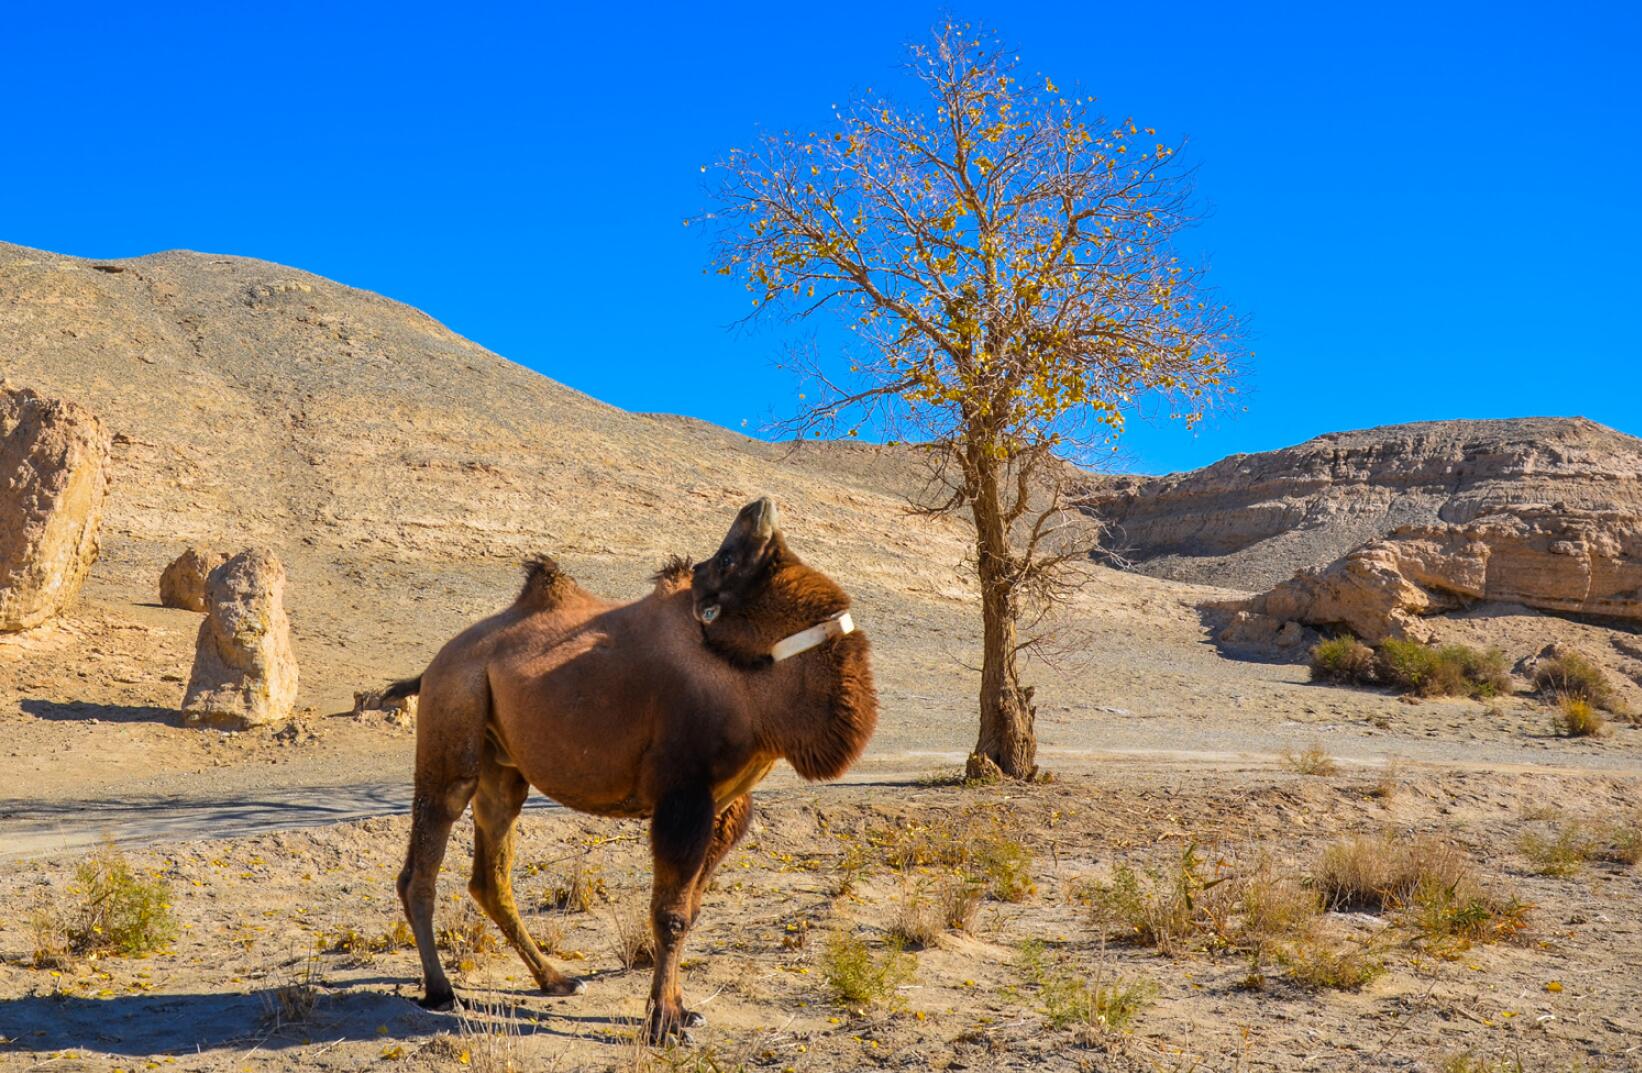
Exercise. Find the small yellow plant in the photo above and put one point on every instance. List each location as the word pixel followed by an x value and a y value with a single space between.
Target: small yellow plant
pixel 1577 717
pixel 468 939
pixel 858 978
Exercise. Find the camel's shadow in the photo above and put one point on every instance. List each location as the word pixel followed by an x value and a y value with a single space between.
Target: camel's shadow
pixel 156 1024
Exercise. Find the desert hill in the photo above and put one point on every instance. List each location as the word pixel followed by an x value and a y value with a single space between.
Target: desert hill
pixel 400 470
pixel 1251 521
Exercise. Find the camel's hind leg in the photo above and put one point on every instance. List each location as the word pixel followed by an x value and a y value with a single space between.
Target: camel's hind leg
pixel 449 740
pixel 433 813
pixel 502 792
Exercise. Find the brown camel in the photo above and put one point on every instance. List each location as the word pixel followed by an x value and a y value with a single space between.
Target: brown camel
pixel 672 707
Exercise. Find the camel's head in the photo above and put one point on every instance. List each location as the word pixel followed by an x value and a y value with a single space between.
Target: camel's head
pixel 725 582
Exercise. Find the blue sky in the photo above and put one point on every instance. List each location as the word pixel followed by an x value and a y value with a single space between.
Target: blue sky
pixel 1425 210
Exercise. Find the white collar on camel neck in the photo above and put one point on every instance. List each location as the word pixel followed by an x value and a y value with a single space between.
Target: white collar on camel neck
pixel 804 640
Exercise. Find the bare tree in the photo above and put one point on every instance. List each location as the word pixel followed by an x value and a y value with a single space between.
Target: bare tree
pixel 1006 258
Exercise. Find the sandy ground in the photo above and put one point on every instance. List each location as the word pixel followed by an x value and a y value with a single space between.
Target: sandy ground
pixel 264 911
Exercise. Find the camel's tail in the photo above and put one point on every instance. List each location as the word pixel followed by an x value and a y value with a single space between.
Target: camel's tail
pixel 405 687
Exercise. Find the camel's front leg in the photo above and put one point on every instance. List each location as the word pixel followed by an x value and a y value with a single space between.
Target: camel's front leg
pixel 680 836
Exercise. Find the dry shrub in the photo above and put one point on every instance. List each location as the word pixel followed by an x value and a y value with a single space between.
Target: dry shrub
pixel 1312 760
pixel 858 978
pixel 1447 671
pixel 581 888
pixel 1380 872
pixel 1433 883
pixel 468 939
pixel 1576 717
pixel 112 911
pixel 977 848
pixel 1188 907
pixel 631 939
pixel 1343 661
pixel 1574 674
pixel 922 916
pixel 1568 846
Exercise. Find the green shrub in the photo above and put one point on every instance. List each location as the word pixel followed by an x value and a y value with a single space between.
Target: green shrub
pixel 1005 866
pixel 1343 660
pixel 114 911
pixel 1573 674
pixel 1448 671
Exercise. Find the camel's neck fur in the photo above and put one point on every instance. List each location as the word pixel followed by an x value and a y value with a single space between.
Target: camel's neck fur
pixel 819 708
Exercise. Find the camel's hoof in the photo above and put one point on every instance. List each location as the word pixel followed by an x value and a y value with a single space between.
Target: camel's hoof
pixel 665 1030
pixel 438 1003
pixel 570 985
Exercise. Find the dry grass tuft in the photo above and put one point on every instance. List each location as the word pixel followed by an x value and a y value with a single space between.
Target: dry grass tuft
pixel 857 978
pixel 631 940
pixel 112 911
pixel 489 1040
pixel 1569 846
pixel 1312 760
pixel 293 1002
pixel 1190 907
pixel 580 889
pixel 1314 962
pixel 1380 872
pixel 923 916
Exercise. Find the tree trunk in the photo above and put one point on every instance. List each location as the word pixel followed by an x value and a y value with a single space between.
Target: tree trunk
pixel 1008 742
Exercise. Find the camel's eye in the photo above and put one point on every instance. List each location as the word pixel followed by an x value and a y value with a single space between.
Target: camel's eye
pixel 726 560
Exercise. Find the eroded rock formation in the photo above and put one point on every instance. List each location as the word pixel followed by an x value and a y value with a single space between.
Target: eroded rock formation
pixel 53 482
pixel 182 584
pixel 244 673
pixel 1551 558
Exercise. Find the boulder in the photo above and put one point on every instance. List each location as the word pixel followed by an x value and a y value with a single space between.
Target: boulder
pixel 1550 558
pixel 244 673
pixel 54 462
pixel 182 584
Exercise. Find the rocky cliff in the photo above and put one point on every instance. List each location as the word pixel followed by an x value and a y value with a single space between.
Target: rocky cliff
pixel 1251 521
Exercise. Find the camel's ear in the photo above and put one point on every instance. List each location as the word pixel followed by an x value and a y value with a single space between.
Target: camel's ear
pixel 755 523
pixel 767 519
